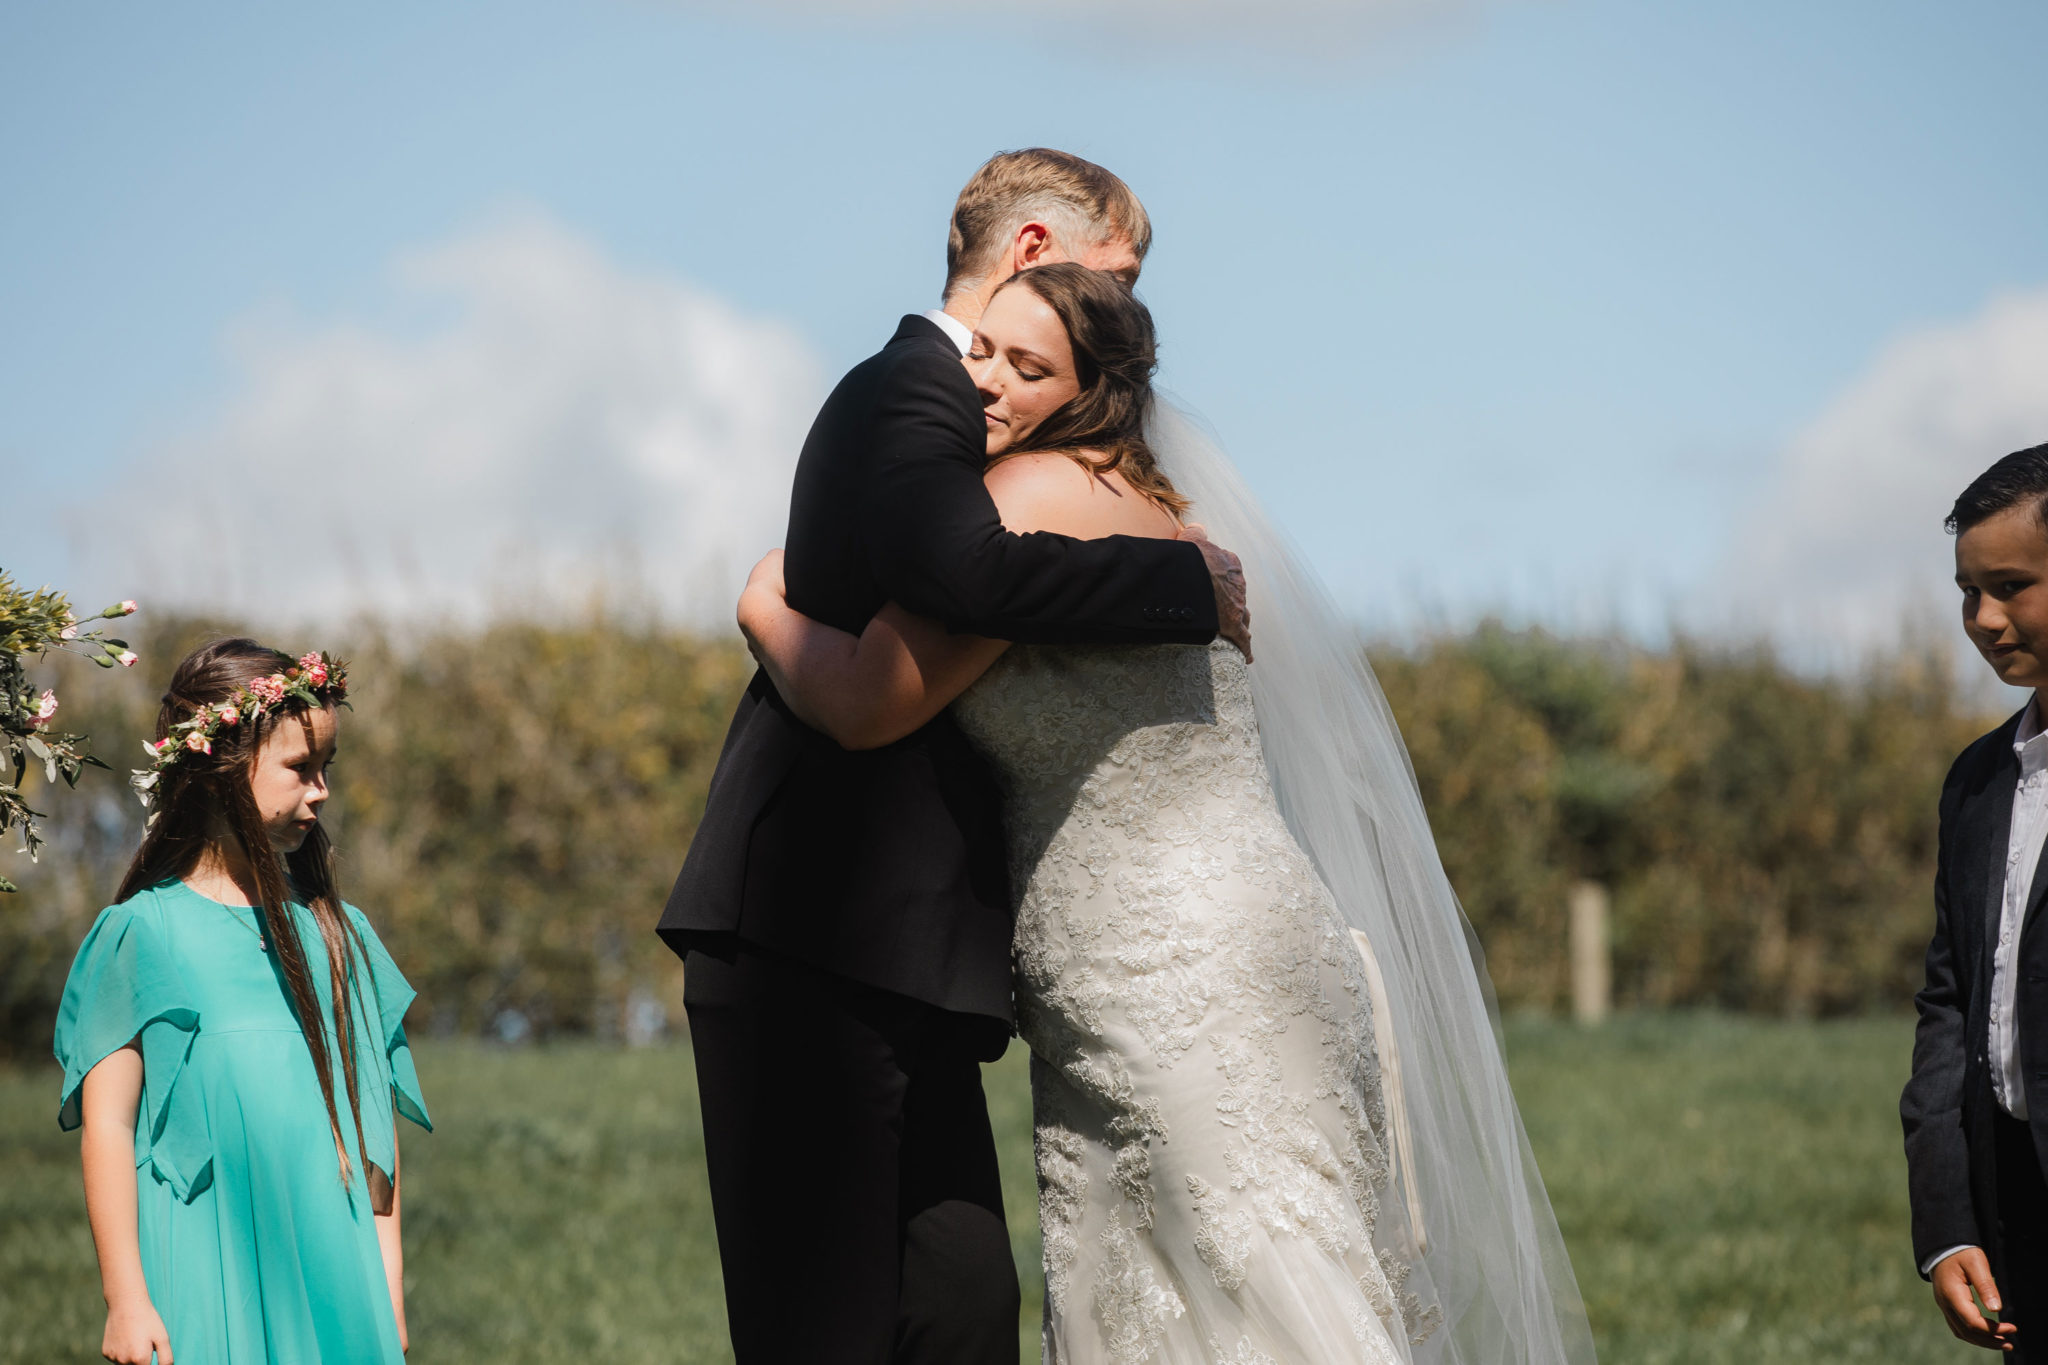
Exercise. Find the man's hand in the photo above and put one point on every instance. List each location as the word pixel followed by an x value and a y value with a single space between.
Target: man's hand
pixel 1226 575
pixel 1954 1278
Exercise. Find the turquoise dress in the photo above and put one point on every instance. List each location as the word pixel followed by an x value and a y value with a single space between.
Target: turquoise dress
pixel 253 1248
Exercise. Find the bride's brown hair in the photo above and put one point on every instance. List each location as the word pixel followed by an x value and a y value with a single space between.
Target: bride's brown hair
pixel 1116 351
pixel 204 801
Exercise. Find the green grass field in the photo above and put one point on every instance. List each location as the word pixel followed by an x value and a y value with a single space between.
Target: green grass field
pixel 1731 1190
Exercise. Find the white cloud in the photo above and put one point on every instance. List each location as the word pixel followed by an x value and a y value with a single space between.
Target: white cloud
pixel 565 423
pixel 1847 544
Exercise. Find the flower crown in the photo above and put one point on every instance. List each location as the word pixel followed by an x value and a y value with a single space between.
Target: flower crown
pixel 316 680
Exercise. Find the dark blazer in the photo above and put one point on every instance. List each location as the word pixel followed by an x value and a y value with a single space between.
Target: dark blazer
pixel 1948 1104
pixel 888 866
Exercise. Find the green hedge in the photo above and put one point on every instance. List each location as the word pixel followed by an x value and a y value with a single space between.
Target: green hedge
pixel 512 802
pixel 1767 837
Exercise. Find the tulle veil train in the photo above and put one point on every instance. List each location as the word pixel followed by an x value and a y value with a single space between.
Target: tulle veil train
pixel 1471 1216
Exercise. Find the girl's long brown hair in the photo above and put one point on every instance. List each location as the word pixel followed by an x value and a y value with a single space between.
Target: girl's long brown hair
pixel 1116 349
pixel 205 800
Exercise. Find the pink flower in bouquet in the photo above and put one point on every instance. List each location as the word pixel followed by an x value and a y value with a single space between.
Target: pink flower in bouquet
pixel 316 669
pixel 46 707
pixel 127 658
pixel 128 606
pixel 69 632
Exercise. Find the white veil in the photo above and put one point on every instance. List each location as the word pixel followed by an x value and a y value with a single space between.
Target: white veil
pixel 1470 1214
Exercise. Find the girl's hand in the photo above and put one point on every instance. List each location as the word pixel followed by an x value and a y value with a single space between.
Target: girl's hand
pixel 134 1331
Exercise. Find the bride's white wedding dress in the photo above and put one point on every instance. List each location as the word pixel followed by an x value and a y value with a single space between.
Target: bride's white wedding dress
pixel 1212 1138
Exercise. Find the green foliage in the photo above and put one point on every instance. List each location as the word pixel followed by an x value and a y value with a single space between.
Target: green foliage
pixel 33 624
pixel 512 802
pixel 514 806
pixel 1768 837
pixel 1732 1193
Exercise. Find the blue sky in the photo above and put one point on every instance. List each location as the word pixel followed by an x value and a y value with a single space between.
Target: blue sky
pixel 1538 305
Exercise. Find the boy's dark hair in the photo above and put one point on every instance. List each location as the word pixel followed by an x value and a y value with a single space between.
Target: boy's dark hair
pixel 2012 481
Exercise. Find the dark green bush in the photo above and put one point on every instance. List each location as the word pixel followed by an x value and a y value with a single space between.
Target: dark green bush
pixel 512 802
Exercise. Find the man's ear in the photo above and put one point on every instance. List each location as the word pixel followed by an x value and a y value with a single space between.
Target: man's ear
pixel 1032 246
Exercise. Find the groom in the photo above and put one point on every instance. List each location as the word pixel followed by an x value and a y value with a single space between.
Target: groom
pixel 845 917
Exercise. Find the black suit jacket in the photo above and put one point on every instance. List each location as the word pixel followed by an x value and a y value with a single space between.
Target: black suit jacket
pixel 888 866
pixel 1948 1105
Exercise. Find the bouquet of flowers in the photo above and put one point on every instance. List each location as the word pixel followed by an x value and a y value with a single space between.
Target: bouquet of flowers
pixel 33 624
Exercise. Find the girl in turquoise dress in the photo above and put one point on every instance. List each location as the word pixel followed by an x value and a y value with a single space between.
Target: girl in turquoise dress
pixel 232 1042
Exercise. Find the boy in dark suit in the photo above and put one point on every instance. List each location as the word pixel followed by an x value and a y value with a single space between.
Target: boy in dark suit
pixel 1976 1107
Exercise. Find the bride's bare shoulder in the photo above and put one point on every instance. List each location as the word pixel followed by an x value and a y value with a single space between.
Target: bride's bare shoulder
pixel 1048 491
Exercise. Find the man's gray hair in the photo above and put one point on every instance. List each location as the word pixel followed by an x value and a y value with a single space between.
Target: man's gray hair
pixel 1082 203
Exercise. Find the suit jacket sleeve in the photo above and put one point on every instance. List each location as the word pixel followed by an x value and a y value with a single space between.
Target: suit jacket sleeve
pixel 939 548
pixel 1937 1149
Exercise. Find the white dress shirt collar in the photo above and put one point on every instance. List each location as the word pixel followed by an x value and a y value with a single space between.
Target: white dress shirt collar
pixel 956 331
pixel 2030 730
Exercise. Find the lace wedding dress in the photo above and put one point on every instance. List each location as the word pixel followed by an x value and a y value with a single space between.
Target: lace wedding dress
pixel 1212 1137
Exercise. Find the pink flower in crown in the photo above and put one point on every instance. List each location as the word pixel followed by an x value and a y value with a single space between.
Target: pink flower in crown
pixel 199 742
pixel 316 669
pixel 270 690
pixel 228 712
pixel 46 707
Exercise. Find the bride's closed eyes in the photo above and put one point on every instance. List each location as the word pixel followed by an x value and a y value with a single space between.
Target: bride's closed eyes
pixel 1022 364
pixel 1032 369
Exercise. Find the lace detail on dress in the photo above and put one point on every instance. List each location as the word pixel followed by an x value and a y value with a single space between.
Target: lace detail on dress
pixel 1133 1307
pixel 1225 1240
pixel 1204 1067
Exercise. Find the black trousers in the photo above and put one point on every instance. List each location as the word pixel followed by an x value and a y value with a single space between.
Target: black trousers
pixel 2022 1272
pixel 853 1171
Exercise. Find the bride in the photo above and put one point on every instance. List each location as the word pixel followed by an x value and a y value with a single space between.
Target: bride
pixel 1272 1122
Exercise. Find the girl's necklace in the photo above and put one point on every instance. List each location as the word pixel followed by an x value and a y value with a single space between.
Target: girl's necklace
pixel 261 942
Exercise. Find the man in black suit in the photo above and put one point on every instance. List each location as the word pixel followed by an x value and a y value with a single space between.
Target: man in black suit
pixel 1976 1108
pixel 845 917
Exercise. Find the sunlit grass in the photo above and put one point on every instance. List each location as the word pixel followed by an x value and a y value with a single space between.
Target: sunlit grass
pixel 1732 1191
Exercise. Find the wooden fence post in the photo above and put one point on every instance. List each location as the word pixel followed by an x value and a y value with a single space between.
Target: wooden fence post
pixel 1592 960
